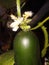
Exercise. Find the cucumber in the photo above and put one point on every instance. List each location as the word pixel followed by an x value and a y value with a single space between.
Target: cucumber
pixel 26 49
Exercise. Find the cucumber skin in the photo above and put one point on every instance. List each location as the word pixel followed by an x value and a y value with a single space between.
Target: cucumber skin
pixel 29 55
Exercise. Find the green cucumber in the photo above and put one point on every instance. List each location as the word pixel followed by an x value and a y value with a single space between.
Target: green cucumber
pixel 26 49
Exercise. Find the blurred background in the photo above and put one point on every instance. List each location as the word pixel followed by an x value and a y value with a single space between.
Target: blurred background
pixel 40 8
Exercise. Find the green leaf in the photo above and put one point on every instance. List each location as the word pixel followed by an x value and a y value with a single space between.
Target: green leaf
pixel 7 58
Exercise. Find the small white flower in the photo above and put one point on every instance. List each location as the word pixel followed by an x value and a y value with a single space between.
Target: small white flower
pixel 21 21
pixel 15 24
pixel 27 14
pixel 46 61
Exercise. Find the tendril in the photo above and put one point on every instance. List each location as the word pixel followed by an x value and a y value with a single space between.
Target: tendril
pixel 40 24
pixel 46 41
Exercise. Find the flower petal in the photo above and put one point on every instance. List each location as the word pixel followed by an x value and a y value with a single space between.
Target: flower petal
pixel 13 24
pixel 13 16
pixel 20 19
pixel 16 22
pixel 29 13
pixel 15 28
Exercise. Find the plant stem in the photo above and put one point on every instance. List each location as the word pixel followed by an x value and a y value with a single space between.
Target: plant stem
pixel 18 8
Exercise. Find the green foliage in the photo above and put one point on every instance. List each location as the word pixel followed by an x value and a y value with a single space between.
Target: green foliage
pixel 7 58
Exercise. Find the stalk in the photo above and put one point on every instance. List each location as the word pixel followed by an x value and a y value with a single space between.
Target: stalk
pixel 18 8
